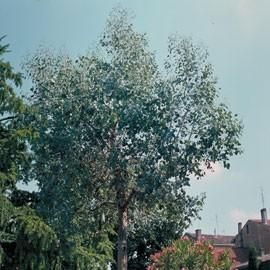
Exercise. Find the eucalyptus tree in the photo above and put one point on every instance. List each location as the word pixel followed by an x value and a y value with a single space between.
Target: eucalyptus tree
pixel 119 137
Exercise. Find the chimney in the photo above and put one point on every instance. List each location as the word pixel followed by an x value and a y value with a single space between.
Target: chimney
pixel 239 227
pixel 198 233
pixel 264 216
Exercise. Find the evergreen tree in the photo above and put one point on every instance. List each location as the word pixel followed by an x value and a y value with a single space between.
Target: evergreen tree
pixel 252 259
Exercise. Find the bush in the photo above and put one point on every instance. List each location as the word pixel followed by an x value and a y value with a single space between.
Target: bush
pixel 187 254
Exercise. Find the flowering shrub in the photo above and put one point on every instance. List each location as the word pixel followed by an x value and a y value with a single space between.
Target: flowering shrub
pixel 190 255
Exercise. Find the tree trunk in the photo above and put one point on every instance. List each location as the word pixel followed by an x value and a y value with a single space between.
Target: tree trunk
pixel 122 238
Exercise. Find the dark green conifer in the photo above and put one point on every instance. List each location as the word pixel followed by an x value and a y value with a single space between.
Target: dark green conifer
pixel 252 260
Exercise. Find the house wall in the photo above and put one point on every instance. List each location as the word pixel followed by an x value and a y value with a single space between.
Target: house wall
pixel 254 234
pixel 264 237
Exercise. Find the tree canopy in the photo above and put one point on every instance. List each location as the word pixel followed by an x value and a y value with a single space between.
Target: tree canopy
pixel 12 146
pixel 119 137
pixel 25 240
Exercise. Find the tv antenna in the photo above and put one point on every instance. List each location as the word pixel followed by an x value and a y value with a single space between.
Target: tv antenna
pixel 216 230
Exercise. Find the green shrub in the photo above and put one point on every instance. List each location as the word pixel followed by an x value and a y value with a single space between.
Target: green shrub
pixel 187 254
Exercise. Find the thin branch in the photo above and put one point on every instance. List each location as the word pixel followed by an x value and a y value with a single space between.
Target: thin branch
pixel 82 208
pixel 8 118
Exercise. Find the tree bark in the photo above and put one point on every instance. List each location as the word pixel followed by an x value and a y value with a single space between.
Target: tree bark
pixel 122 237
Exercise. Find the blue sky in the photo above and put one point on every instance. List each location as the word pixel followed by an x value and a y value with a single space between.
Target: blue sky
pixel 237 35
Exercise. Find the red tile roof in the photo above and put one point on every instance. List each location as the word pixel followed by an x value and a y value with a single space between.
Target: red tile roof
pixel 214 239
pixel 238 255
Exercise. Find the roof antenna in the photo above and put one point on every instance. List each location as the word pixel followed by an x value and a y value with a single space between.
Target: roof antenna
pixel 216 225
pixel 262 197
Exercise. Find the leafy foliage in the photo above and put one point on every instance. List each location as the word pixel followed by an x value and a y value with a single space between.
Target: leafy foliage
pixel 155 228
pixel 36 244
pixel 26 242
pixel 65 168
pixel 187 254
pixel 117 136
pixel 12 136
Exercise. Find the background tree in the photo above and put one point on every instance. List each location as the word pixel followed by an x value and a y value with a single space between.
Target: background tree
pixel 73 200
pixel 118 137
pixel 26 242
pixel 253 263
pixel 12 144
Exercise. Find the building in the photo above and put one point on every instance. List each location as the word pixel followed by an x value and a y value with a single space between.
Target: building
pixel 213 239
pixel 220 243
pixel 254 234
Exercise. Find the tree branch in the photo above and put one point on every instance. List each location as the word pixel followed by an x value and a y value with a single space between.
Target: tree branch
pixel 8 118
pixel 82 208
